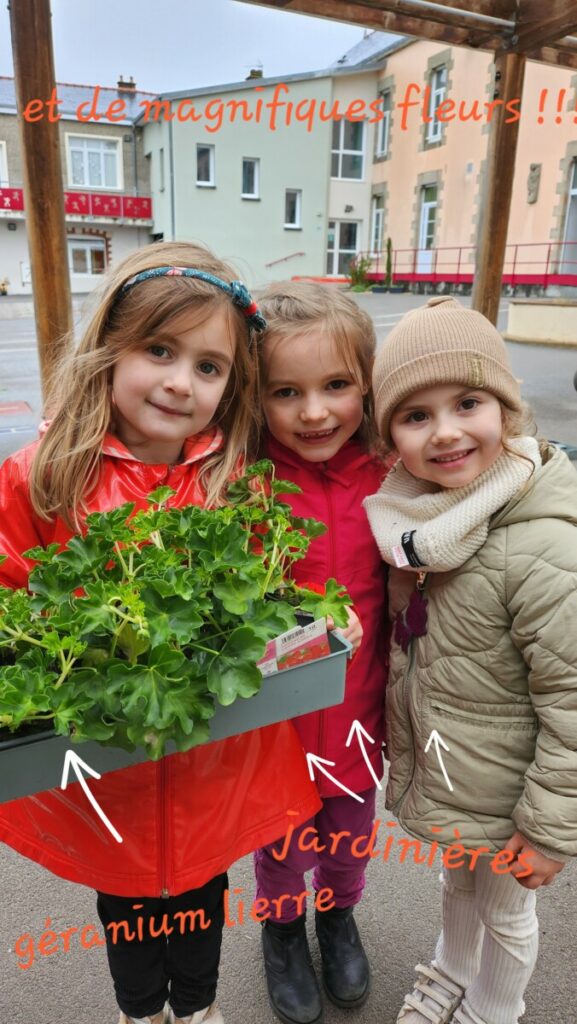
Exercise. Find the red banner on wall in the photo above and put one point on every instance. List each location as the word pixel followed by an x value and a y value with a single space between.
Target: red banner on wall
pixel 105 205
pixel 139 207
pixel 11 199
pixel 77 202
pixel 86 204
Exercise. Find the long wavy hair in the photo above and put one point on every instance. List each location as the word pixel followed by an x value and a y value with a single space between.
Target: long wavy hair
pixel 67 463
pixel 296 308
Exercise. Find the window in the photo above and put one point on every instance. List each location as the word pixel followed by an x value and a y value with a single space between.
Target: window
pixel 3 166
pixel 341 246
pixel 250 178
pixel 348 150
pixel 569 248
pixel 94 162
pixel 438 85
pixel 377 225
pixel 161 168
pixel 86 255
pixel 383 127
pixel 292 208
pixel 205 165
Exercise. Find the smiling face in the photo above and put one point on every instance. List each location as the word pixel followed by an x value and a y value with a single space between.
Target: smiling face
pixel 312 402
pixel 170 387
pixel 449 434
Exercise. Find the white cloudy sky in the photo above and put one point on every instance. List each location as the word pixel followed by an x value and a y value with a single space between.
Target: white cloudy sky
pixel 182 43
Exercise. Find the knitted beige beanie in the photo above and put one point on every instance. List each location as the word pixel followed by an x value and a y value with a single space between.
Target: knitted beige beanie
pixel 441 343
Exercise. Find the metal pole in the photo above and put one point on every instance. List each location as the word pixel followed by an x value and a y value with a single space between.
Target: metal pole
pixel 43 192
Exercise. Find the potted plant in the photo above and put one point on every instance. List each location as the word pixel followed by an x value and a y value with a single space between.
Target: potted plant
pixel 141 636
pixel 357 273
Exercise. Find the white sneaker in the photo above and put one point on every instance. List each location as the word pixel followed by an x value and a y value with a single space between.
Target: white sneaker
pixel 211 1015
pixel 433 1000
pixel 157 1018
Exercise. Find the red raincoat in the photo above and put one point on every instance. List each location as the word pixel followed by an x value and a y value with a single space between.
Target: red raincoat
pixel 187 817
pixel 333 492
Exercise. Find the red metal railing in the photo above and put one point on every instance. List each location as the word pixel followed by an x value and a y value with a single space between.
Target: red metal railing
pixel 526 263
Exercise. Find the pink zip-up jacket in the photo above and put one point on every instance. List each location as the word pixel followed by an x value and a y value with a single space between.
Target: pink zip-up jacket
pixel 333 492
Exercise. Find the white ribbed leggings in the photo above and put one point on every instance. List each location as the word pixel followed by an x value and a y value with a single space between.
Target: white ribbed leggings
pixel 489 942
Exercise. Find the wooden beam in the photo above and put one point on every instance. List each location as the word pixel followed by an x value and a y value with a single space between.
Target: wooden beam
pixel 539 24
pixel 498 188
pixel 43 192
pixel 458 18
pixel 359 12
pixel 560 58
pixel 505 9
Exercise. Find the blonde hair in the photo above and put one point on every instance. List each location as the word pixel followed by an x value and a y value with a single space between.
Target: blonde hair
pixel 297 307
pixel 67 463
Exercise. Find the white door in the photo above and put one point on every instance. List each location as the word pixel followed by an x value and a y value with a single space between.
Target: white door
pixel 342 245
pixel 427 229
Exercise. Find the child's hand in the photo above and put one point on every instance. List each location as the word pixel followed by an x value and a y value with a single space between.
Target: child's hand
pixel 543 869
pixel 354 631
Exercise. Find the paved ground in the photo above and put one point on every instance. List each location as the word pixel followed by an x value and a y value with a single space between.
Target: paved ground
pixel 399 915
pixel 546 371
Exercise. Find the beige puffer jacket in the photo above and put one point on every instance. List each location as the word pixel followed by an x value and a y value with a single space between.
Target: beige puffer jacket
pixel 496 676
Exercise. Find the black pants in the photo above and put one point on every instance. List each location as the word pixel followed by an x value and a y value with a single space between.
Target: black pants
pixel 149 961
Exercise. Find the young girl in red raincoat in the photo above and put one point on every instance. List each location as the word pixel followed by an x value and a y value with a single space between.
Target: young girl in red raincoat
pixel 160 391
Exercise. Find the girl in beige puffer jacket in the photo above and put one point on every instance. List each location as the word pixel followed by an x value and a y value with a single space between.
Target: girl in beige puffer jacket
pixel 479 524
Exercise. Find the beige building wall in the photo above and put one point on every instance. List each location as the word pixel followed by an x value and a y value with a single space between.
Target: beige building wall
pixel 455 162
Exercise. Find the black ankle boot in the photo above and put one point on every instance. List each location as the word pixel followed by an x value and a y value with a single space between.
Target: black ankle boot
pixel 346 972
pixel 292 985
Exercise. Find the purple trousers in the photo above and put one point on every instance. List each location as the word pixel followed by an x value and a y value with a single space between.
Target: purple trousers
pixel 332 843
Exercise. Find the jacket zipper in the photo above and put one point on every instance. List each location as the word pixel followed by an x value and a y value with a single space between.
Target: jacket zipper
pixel 331 573
pixel 164 785
pixel 421 583
pixel 163 818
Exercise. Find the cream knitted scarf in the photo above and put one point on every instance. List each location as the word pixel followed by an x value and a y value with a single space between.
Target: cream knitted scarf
pixel 418 527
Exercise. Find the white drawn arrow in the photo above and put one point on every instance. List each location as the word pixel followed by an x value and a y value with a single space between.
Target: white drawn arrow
pixel 362 735
pixel 439 742
pixel 72 760
pixel 314 761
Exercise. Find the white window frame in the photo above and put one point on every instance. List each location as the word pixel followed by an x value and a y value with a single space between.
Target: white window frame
pixel 438 85
pixel 295 225
pixel 211 183
pixel 86 243
pixel 377 225
pixel 71 137
pixel 341 151
pixel 161 170
pixel 384 126
pixel 569 252
pixel 256 162
pixel 3 165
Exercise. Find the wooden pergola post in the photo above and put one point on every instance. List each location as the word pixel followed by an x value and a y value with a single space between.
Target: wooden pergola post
pixel 498 189
pixel 43 191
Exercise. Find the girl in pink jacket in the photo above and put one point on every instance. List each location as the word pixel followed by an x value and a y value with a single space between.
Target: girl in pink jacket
pixel 317 361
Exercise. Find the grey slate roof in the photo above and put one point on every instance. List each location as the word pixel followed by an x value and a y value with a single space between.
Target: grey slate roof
pixel 371 50
pixel 73 95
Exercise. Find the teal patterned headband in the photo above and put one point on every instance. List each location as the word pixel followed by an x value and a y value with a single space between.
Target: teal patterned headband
pixel 237 291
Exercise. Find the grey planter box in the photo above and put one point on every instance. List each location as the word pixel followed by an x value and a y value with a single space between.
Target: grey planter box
pixel 34 763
